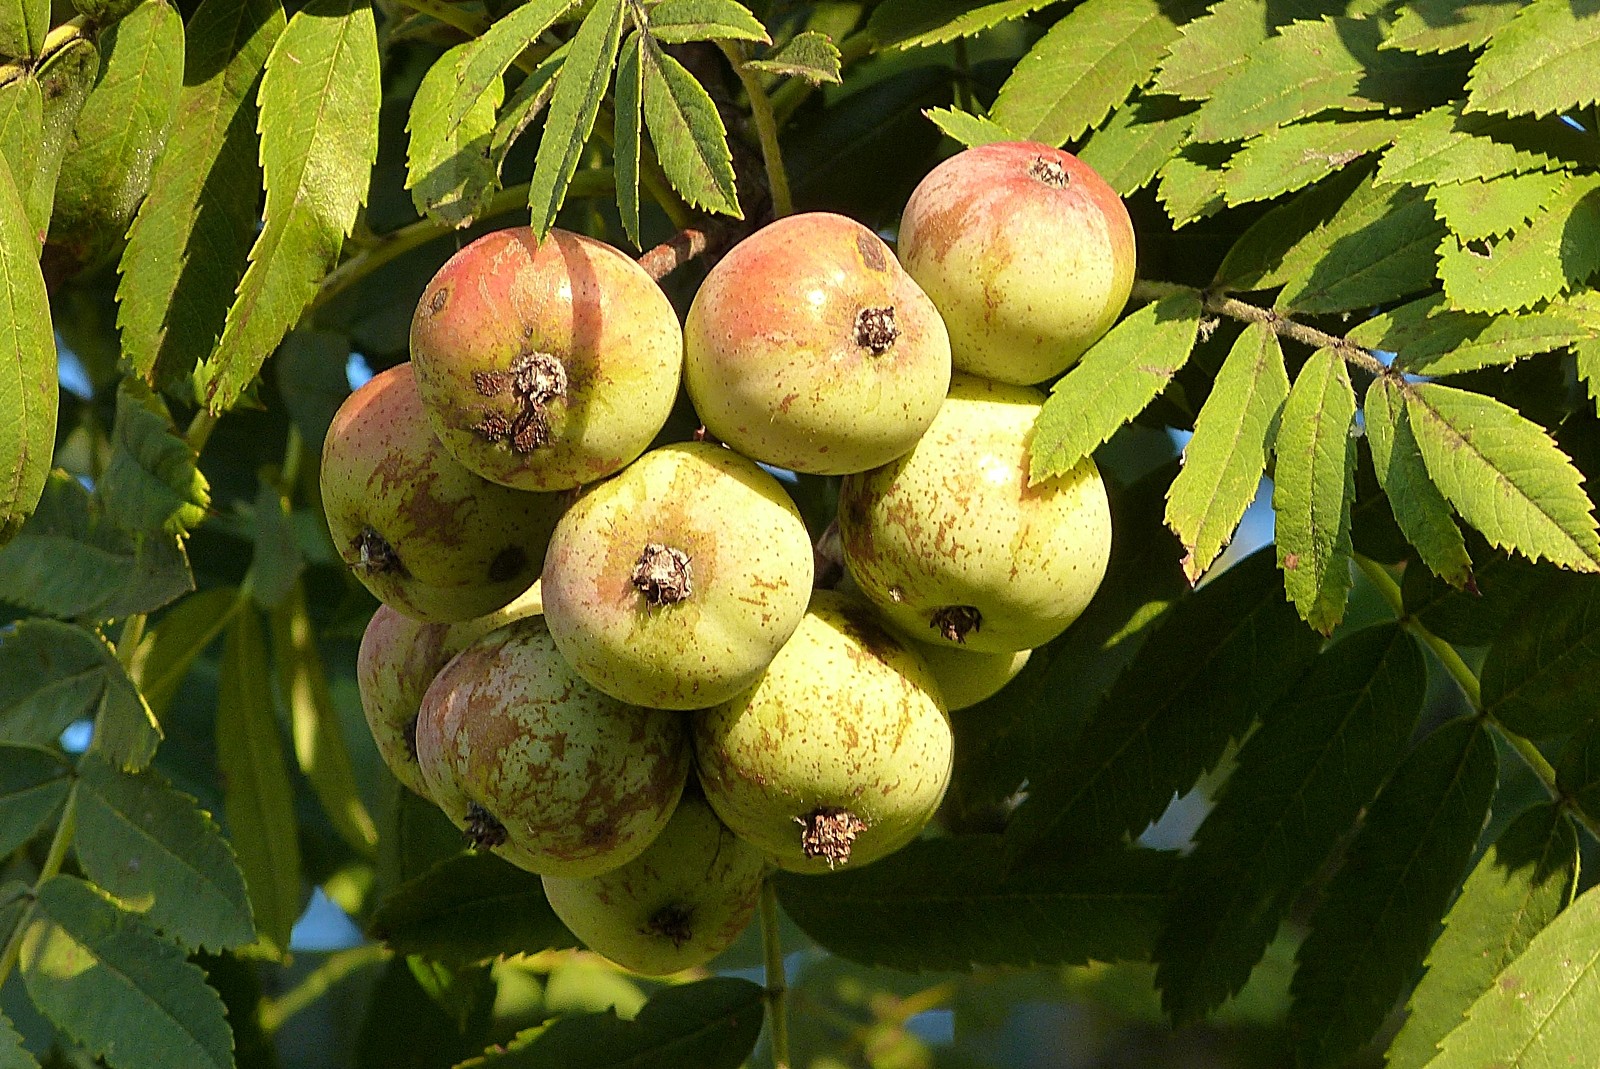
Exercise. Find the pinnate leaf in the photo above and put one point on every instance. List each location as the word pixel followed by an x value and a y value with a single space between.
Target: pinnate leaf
pixel 1218 44
pixel 1256 260
pixel 1301 780
pixel 152 481
pixel 687 132
pixel 319 135
pixel 1314 484
pixel 448 168
pixel 1504 475
pixel 27 365
pixel 1113 382
pixel 1538 678
pixel 627 143
pixel 916 23
pixel 1444 25
pixel 1191 182
pixel 967 128
pixel 157 852
pixel 1541 61
pixel 1559 249
pixel 184 632
pixel 1419 508
pixel 1224 461
pixel 33 784
pixel 1137 141
pixel 53 674
pixel 1587 353
pixel 66 77
pixel 675 22
pixel 1293 156
pixel 1446 145
pixel 487 58
pixel 811 55
pixel 574 107
pixel 1431 338
pixel 1487 208
pixel 1378 248
pixel 951 904
pixel 1517 888
pixel 112 984
pixel 13 1055
pixel 23 25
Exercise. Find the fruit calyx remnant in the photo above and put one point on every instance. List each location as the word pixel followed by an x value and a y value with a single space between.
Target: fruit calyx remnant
pixel 672 922
pixel 374 554
pixel 483 829
pixel 828 832
pixel 1050 172
pixel 956 622
pixel 662 574
pixel 876 329
pixel 534 380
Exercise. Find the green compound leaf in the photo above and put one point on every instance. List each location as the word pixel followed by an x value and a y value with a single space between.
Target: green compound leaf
pixel 187 246
pixel 530 99
pixel 1445 25
pixel 1578 770
pixel 152 481
pixel 448 169
pixel 1421 511
pixel 574 107
pixel 65 80
pixel 951 904
pixel 1085 65
pixel 1492 207
pixel 1218 45
pixel 1540 1009
pixel 1138 140
pixel 468 909
pixel 1377 249
pixel 54 674
pixel 1502 581
pixel 1587 354
pixel 487 58
pixel 1301 780
pixel 114 986
pixel 1538 678
pixel 688 135
pixel 1170 715
pixel 967 128
pixel 27 365
pixel 184 632
pixel 1558 250
pixel 1430 338
pixel 69 560
pixel 675 22
pixel 160 855
pixel 1256 260
pixel 277 561
pixel 627 143
pixel 1113 382
pixel 319 135
pixel 1296 155
pixel 1444 145
pixel 33 784
pixel 917 23
pixel 1314 484
pixel 1504 475
pixel 23 26
pixel 1518 887
pixel 1541 61
pixel 707 1024
pixel 811 55
pixel 1381 910
pixel 120 131
pixel 1191 183
pixel 258 798
pixel 1224 461
pixel 13 1055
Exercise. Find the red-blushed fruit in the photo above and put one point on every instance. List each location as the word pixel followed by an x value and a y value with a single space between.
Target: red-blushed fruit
pixel 839 754
pixel 952 543
pixel 424 534
pixel 538 766
pixel 397 661
pixel 1026 251
pixel 675 582
pixel 675 906
pixel 549 365
pixel 808 347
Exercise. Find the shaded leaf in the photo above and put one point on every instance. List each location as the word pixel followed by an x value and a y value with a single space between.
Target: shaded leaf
pixel 811 55
pixel 27 365
pixel 312 379
pixel 1419 508
pixel 1137 141
pixel 448 168
pixel 33 784
pixel 1113 382
pixel 1191 183
pixel 153 480
pixel 967 128
pixel 1503 583
pixel 1578 770
pixel 1557 250
pixel 1445 145
pixel 160 855
pixel 1313 486
pixel 1486 208
pixel 1538 677
pixel 674 22
pixel 574 107
pixel 1293 156
pixel 1369 934
pixel 690 141
pixel 530 99
pixel 1256 260
pixel 1539 62
pixel 1504 475
pixel 1443 25
pixel 1519 885
pixel 119 990
pixel 23 25
pixel 487 58
pixel 12 1053
pixel 65 79
pixel 1377 248
pixel 184 632
pixel 914 23
pixel 1430 338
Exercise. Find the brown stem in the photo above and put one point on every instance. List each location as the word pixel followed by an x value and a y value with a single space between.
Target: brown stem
pixel 686 245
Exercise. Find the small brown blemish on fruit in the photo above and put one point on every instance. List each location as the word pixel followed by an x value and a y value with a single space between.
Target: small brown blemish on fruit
pixel 828 832
pixel 483 829
pixel 534 380
pixel 871 251
pixel 956 622
pixel 671 922
pixel 440 298
pixel 662 574
pixel 1050 172
pixel 374 555
pixel 507 564
pixel 876 329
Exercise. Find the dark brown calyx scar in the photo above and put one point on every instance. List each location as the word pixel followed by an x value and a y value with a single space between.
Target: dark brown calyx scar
pixel 671 922
pixel 411 737
pixel 956 622
pixel 507 564
pixel 374 555
pixel 828 832
pixel 1050 172
pixel 534 380
pixel 662 574
pixel 483 829
pixel 876 329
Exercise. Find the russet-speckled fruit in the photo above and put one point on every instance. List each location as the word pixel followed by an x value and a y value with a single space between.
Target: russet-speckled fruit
pixel 967 677
pixel 675 906
pixel 549 365
pixel 808 347
pixel 1026 251
pixel 535 764
pixel 839 755
pixel 953 545
pixel 424 534
pixel 675 582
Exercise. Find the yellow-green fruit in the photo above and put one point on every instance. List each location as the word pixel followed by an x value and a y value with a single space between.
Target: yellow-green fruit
pixel 952 543
pixel 967 677
pixel 675 906
pixel 399 657
pixel 422 533
pixel 674 583
pixel 839 755
pixel 535 764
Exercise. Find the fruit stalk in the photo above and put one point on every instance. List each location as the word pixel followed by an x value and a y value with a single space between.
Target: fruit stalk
pixel 777 990
pixel 766 130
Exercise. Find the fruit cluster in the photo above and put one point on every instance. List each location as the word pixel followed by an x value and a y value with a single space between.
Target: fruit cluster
pixel 607 662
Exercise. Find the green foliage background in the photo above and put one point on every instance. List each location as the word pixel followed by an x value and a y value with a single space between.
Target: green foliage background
pixel 1368 239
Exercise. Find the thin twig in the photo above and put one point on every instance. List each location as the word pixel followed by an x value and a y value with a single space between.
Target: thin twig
pixel 679 249
pixel 777 989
